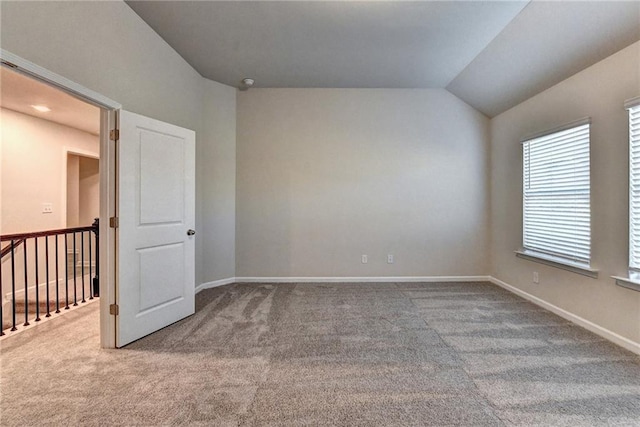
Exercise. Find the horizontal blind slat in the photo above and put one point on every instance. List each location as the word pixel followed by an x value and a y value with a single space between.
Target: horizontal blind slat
pixel 634 187
pixel 556 194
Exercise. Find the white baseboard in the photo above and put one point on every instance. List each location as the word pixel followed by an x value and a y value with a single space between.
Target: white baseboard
pixel 590 326
pixel 215 284
pixel 350 279
pixel 231 280
pixel 52 286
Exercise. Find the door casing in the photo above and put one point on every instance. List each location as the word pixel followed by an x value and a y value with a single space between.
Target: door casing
pixel 108 164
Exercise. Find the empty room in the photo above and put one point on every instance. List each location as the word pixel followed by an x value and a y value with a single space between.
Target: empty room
pixel 367 213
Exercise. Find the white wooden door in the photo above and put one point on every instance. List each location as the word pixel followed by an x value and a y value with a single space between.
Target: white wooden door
pixel 155 237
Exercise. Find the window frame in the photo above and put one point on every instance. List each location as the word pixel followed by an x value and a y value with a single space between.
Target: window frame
pixel 633 279
pixel 563 262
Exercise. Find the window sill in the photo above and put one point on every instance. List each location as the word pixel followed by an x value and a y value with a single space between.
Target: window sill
pixel 628 283
pixel 555 262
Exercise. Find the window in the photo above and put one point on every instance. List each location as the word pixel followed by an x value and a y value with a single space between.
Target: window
pixel 633 281
pixel 556 196
pixel 634 189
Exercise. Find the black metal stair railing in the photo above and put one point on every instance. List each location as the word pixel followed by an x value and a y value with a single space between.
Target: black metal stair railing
pixel 34 263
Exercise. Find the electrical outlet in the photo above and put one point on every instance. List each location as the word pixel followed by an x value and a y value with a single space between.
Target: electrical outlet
pixel 365 259
pixel 390 259
pixel 47 208
pixel 536 278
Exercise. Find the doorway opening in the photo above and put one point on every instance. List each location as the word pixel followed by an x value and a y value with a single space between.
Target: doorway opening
pixel 83 189
pixel 49 202
pixel 147 182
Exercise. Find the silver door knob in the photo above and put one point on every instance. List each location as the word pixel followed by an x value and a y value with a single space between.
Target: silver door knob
pixel 191 232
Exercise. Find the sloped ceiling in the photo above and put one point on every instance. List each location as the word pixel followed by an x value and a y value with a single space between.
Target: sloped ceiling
pixel 545 44
pixel 491 54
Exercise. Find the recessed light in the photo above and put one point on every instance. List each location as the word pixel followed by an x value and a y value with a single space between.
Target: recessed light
pixel 41 108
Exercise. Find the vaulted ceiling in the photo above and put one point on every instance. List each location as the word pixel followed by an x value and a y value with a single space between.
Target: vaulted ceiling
pixel 491 54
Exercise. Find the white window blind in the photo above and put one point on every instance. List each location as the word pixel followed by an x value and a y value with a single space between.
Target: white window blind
pixel 634 187
pixel 556 205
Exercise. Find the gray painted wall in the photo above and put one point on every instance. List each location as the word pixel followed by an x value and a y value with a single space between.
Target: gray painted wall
pixel 216 181
pixel 326 175
pixel 106 47
pixel 598 92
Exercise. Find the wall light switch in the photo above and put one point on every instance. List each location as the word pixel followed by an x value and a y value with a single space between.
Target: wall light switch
pixel 365 259
pixel 390 259
pixel 47 208
pixel 536 278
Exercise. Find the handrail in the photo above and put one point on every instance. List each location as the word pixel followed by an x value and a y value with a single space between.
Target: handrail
pixel 23 236
pixel 7 249
pixel 79 244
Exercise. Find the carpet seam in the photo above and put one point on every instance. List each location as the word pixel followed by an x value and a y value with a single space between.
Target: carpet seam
pixel 480 393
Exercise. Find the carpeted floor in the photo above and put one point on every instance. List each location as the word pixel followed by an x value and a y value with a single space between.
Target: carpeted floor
pixel 375 354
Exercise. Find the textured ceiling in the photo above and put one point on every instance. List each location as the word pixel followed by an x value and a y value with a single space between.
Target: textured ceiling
pixel 493 55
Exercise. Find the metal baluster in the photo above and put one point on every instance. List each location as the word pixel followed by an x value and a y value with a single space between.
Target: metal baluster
pixel 37 283
pixel 57 277
pixel 66 271
pixel 96 279
pixel 13 286
pixel 90 268
pixel 75 268
pixel 82 262
pixel 26 286
pixel 46 272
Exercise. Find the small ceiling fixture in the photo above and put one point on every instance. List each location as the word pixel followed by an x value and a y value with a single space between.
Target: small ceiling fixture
pixel 246 84
pixel 41 108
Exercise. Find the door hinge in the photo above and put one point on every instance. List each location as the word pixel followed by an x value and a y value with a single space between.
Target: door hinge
pixel 114 309
pixel 114 222
pixel 114 134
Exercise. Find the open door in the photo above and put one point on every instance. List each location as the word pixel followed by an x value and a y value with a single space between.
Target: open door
pixel 155 236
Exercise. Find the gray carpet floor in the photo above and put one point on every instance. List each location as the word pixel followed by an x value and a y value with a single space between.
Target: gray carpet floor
pixel 375 354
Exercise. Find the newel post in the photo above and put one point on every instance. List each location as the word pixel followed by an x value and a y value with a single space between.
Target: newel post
pixel 96 279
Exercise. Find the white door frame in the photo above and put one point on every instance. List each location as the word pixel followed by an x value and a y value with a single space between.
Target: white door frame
pixel 108 117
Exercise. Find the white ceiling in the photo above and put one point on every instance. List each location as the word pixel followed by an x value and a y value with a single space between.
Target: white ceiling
pixel 546 43
pixel 19 93
pixel 492 54
pixel 331 43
